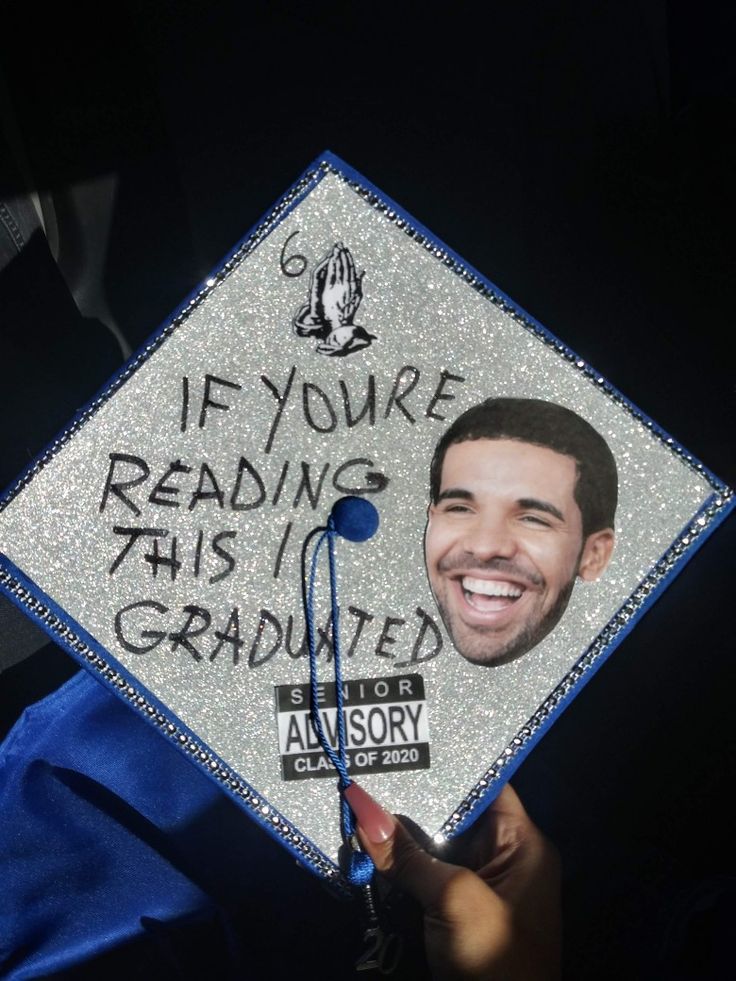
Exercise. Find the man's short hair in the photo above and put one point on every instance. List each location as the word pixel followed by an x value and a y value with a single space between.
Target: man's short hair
pixel 551 426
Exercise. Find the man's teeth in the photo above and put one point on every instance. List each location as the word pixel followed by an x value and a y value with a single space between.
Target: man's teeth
pixel 490 587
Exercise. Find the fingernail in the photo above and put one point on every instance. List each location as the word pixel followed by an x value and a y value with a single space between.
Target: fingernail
pixel 376 824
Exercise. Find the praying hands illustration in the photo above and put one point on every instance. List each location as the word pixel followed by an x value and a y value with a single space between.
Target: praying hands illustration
pixel 335 293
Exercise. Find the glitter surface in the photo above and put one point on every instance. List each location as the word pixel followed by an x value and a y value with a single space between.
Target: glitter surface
pixel 297 419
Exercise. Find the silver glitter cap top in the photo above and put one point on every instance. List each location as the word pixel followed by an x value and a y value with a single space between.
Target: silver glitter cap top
pixel 159 538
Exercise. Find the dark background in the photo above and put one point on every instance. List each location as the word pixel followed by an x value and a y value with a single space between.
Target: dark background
pixel 582 156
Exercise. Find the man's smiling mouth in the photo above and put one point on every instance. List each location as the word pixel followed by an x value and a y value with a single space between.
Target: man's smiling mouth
pixel 490 595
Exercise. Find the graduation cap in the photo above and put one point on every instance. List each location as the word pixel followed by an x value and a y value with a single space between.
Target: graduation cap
pixel 529 515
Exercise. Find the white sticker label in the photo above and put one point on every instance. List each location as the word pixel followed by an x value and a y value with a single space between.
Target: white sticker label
pixel 386 727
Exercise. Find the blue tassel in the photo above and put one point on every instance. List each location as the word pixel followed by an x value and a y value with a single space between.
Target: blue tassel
pixel 361 868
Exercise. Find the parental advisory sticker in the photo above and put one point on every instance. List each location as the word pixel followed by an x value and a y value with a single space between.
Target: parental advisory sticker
pixel 386 726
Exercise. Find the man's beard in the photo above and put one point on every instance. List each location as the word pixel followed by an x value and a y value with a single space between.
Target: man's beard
pixel 530 635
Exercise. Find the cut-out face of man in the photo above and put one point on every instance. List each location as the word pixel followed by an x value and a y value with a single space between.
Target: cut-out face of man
pixel 505 543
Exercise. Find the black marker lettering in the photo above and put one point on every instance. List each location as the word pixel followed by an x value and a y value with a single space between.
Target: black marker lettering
pixel 182 638
pixel 156 636
pixel 282 549
pixel 198 553
pixel 133 535
pixel 427 624
pixel 184 403
pixel 439 394
pixel 208 402
pixel 162 488
pixel 296 261
pixel 386 636
pixel 330 427
pixel 374 482
pixel 369 406
pixel 302 649
pixel 231 635
pixel 305 485
pixel 399 392
pixel 206 494
pixel 362 618
pixel 222 554
pixel 156 558
pixel 116 487
pixel 281 401
pixel 244 466
pixel 280 485
pixel 264 618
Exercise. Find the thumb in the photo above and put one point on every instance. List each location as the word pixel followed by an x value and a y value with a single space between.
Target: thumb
pixel 395 852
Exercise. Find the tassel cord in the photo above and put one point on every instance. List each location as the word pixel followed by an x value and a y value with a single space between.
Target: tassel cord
pixel 361 867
